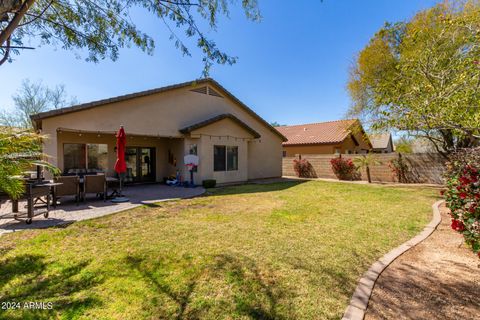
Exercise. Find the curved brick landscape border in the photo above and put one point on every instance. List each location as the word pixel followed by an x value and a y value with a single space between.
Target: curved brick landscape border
pixel 359 302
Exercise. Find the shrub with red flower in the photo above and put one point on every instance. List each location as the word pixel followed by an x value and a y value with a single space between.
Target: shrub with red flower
pixel 399 169
pixel 463 195
pixel 343 168
pixel 303 168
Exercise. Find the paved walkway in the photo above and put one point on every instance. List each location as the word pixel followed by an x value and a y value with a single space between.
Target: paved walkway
pixel 437 279
pixel 69 212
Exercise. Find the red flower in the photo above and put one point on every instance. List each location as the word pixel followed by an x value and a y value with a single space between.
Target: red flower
pixel 464 181
pixel 458 225
pixel 472 208
pixel 462 195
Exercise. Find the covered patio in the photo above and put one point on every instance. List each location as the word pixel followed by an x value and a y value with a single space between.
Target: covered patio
pixel 68 212
pixel 149 158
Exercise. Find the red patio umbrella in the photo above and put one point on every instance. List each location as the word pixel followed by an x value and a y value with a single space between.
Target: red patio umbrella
pixel 120 164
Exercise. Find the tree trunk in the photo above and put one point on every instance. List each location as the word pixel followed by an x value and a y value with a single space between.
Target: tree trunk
pixel 12 25
pixel 368 174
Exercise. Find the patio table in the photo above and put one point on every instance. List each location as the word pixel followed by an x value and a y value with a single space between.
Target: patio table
pixel 109 180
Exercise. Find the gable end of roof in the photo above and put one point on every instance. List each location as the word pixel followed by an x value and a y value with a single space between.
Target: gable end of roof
pixel 220 117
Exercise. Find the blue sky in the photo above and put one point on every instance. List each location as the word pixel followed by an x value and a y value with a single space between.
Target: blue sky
pixel 292 67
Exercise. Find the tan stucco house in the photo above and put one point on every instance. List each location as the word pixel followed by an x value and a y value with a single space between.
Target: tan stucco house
pixel 341 136
pixel 233 143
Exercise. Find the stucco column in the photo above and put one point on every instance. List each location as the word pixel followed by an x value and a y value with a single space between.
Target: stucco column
pixel 49 148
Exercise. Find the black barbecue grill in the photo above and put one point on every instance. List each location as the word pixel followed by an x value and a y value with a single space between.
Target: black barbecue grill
pixel 36 190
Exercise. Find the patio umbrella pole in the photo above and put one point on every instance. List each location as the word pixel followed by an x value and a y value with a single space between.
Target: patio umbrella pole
pixel 121 177
pixel 120 192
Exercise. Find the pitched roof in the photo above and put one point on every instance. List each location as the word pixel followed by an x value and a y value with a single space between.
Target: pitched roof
pixel 192 84
pixel 380 141
pixel 218 118
pixel 331 132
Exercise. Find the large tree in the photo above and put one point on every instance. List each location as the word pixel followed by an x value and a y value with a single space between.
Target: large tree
pixel 102 27
pixel 32 98
pixel 423 76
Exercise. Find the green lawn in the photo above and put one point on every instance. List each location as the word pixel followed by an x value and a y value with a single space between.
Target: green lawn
pixel 277 251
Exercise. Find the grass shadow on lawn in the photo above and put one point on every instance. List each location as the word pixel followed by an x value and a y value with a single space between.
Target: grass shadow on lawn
pixel 67 288
pixel 240 288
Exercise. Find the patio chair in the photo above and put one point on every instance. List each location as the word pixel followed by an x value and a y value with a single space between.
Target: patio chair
pixel 95 184
pixel 70 187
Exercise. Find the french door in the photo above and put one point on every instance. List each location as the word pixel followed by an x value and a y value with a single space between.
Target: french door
pixel 140 164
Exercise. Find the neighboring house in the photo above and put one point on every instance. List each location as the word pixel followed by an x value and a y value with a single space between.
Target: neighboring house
pixel 341 136
pixel 382 143
pixel 233 143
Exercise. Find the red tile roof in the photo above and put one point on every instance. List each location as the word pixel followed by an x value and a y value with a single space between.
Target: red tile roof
pixel 331 132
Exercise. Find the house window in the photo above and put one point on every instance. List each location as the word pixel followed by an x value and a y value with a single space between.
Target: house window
pixel 225 158
pixel 97 157
pixel 284 153
pixel 79 156
pixel 219 158
pixel 74 156
pixel 337 150
pixel 232 158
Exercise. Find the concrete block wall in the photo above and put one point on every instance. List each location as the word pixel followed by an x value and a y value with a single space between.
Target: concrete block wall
pixel 423 167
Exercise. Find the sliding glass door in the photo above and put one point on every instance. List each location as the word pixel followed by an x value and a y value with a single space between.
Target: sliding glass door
pixel 140 164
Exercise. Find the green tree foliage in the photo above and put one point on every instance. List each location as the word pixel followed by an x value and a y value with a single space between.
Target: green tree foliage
pixel 19 151
pixel 276 124
pixel 33 98
pixel 102 27
pixel 365 162
pixel 404 145
pixel 423 76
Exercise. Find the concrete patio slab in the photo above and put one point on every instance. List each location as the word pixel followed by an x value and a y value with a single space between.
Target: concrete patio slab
pixel 67 211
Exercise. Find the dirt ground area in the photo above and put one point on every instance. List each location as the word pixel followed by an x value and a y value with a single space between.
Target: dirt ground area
pixel 437 279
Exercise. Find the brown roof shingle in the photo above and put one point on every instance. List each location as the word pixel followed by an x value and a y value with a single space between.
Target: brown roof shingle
pixel 317 133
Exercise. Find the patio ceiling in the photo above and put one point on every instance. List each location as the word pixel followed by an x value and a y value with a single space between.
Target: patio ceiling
pixel 59 130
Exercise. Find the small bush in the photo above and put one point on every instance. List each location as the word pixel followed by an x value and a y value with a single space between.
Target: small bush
pixel 344 169
pixel 399 169
pixel 302 168
pixel 463 195
pixel 210 183
pixel 403 171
